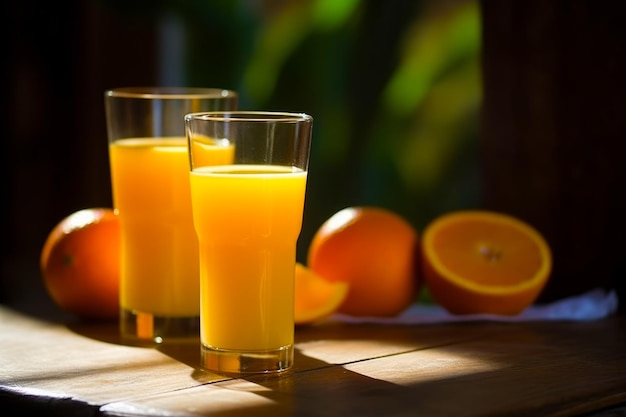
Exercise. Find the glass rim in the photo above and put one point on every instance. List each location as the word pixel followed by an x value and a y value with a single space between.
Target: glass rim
pixel 166 93
pixel 249 116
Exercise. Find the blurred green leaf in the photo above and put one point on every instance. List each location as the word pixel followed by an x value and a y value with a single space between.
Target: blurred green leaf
pixel 434 44
pixel 332 14
pixel 276 41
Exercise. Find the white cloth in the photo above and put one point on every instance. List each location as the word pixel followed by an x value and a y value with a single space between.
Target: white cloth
pixel 593 305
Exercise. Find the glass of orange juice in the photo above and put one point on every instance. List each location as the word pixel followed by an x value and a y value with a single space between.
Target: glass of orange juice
pixel 248 216
pixel 149 162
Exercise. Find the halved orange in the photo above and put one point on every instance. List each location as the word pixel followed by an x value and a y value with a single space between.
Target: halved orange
pixel 315 297
pixel 484 262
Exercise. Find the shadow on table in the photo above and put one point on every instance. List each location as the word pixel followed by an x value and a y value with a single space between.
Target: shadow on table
pixel 466 368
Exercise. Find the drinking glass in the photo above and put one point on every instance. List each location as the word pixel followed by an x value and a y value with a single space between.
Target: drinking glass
pixel 248 216
pixel 149 162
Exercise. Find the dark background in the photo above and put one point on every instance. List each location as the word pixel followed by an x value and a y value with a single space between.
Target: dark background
pixel 532 120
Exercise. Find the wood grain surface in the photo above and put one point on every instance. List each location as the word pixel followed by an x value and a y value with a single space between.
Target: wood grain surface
pixel 460 369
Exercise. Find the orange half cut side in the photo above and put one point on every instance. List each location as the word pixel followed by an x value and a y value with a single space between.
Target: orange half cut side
pixel 484 262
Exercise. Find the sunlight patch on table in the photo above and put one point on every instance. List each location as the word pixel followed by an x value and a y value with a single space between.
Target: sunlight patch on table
pixel 421 366
pixel 345 351
pixel 236 397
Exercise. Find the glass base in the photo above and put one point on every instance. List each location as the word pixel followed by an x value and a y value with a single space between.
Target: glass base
pixel 235 362
pixel 140 327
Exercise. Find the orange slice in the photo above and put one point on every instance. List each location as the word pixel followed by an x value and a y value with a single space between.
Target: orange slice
pixel 484 262
pixel 316 298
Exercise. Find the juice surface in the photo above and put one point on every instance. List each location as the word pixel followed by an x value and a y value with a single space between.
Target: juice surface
pixel 150 180
pixel 247 219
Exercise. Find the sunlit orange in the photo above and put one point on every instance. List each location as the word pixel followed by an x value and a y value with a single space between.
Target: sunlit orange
pixel 375 251
pixel 80 263
pixel 484 262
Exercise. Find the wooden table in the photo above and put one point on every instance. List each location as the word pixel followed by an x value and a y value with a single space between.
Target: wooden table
pixel 454 369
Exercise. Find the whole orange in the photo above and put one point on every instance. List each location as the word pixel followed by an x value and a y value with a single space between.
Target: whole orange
pixel 375 251
pixel 483 262
pixel 80 263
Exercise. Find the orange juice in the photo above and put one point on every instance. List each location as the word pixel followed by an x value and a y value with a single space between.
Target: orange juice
pixel 248 219
pixel 159 263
